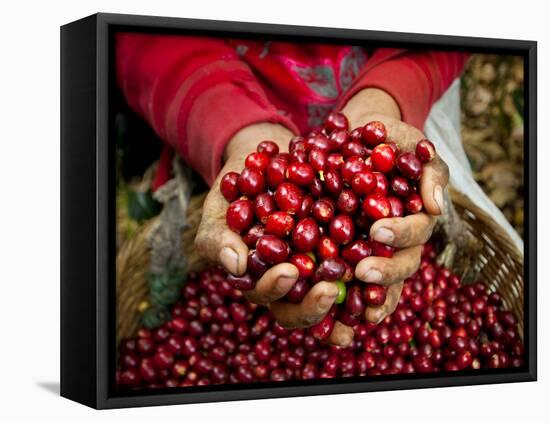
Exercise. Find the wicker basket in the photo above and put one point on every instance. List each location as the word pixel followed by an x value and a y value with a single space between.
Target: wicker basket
pixel 481 251
pixel 494 258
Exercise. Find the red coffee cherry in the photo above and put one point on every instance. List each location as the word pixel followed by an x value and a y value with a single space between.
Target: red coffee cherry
pixel 272 250
pixel 374 133
pixel 374 295
pixel 251 182
pixel 376 206
pixel 279 224
pixel 288 197
pixel 258 161
pixel 323 210
pixel 301 174
pixel 228 186
pixel 425 151
pixel 304 263
pixel 336 121
pixel 383 158
pixel 305 236
pixel 410 166
pixel 240 215
pixel 342 229
pixel 269 148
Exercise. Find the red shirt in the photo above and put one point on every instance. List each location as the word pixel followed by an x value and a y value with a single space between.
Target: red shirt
pixel 197 92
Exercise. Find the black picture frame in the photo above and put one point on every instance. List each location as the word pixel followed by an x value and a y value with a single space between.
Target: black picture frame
pixel 87 212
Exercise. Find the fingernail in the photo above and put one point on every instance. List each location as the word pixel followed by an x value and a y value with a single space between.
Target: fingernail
pixel 438 197
pixel 383 235
pixel 372 275
pixel 324 303
pixel 229 259
pixel 285 282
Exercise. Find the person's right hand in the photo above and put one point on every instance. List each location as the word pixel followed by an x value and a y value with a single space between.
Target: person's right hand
pixel 217 243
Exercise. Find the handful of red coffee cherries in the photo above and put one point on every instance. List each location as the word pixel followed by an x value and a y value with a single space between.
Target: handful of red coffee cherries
pixel 313 207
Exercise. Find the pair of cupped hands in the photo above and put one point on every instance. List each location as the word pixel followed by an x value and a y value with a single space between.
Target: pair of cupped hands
pixel 217 243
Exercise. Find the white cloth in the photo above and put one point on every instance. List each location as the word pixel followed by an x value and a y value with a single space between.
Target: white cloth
pixel 443 129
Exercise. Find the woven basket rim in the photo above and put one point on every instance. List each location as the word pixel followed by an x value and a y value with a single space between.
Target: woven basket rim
pixel 467 203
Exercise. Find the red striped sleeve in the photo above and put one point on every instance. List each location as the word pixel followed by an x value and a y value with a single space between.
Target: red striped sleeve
pixel 414 79
pixel 195 92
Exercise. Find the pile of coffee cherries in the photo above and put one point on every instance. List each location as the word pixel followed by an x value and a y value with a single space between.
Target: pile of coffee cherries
pixel 215 336
pixel 314 206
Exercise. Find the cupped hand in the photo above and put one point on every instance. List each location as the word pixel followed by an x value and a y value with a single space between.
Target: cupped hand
pixel 217 243
pixel 408 233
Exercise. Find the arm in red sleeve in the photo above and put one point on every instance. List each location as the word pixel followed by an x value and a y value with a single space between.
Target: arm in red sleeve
pixel 414 79
pixel 195 92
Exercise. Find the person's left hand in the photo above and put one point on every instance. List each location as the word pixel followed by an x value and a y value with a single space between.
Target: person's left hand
pixel 406 234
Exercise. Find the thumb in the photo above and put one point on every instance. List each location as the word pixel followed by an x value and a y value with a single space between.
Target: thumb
pixel 215 241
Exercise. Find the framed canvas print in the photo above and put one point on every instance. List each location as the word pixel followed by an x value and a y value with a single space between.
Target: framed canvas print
pixel 259 211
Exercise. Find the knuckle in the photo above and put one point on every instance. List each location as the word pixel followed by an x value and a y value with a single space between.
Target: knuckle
pixel 276 291
pixel 443 170
pixel 404 234
pixel 397 270
pixel 391 271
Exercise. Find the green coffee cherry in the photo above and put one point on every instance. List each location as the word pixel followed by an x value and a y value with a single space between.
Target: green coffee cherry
pixel 341 292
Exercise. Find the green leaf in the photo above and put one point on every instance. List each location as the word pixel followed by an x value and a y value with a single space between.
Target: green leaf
pixel 142 205
pixel 168 278
pixel 165 297
pixel 165 287
pixel 154 317
pixel 157 282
